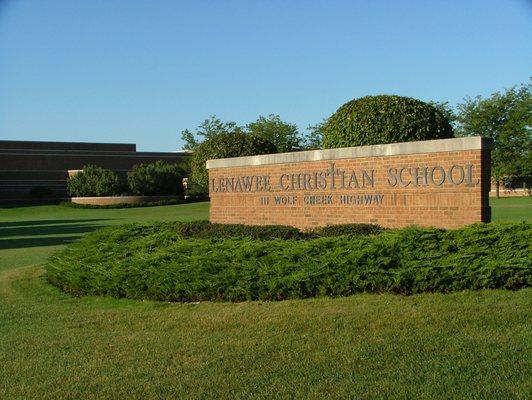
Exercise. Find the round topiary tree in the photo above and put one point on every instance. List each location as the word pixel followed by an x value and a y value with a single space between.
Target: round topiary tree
pixel 223 145
pixel 384 119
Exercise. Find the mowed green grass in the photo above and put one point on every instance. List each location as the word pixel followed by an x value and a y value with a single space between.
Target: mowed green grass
pixel 461 345
pixel 28 235
pixel 511 209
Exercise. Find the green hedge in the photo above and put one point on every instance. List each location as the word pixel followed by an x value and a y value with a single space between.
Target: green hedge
pixel 164 262
pixel 167 202
pixel 205 229
pixel 384 119
pixel 156 179
pixel 94 181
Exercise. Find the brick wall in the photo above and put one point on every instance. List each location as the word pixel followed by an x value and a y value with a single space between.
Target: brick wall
pixel 442 183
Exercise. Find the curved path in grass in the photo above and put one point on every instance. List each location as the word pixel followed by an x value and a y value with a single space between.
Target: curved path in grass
pixel 54 346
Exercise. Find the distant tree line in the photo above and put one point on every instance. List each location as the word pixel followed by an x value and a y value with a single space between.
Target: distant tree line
pixel 284 135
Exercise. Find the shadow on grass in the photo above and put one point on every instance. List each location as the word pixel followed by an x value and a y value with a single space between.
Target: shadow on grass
pixel 36 242
pixel 39 233
pixel 47 230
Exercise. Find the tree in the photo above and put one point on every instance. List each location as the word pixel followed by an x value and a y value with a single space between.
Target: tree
pixel 505 117
pixel 446 110
pixel 223 145
pixel 314 139
pixel 208 128
pixel 283 135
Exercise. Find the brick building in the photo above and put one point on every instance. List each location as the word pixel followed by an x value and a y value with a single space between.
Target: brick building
pixel 36 172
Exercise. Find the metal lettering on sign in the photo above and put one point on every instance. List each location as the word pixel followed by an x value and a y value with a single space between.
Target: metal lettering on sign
pixel 333 179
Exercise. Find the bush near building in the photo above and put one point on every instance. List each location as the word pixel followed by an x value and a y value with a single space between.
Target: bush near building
pixel 156 179
pixel 151 179
pixel 94 181
pixel 384 119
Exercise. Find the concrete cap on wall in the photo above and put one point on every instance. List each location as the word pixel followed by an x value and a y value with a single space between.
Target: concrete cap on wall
pixel 379 150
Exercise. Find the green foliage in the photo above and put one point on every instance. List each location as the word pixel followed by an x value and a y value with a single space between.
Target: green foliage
pixel 505 117
pixel 207 230
pixel 165 202
pixel 156 179
pixel 447 111
pixel 348 229
pixel 283 135
pixel 210 127
pixel 204 229
pixel 223 145
pixel 314 138
pixel 161 262
pixel 94 181
pixel 217 139
pixel 384 119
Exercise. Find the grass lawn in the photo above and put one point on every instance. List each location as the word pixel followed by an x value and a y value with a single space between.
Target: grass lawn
pixel 511 209
pixel 29 234
pixel 461 345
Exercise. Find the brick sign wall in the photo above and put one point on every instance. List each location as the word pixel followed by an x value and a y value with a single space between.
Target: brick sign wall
pixel 442 183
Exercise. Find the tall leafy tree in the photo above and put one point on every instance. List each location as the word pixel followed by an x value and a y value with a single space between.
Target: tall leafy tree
pixel 506 117
pixel 447 110
pixel 210 127
pixel 314 138
pixel 223 145
pixel 285 136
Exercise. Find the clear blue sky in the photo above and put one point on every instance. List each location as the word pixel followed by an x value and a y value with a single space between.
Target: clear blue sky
pixel 142 71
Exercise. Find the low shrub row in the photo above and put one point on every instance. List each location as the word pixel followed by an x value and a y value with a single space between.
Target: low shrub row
pixel 189 262
pixel 167 202
pixel 205 229
pixel 94 181
pixel 154 179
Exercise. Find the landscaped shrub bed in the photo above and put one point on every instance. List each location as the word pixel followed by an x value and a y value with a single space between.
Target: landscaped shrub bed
pixel 156 179
pixel 192 262
pixel 167 202
pixel 150 179
pixel 94 181
pixel 205 229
